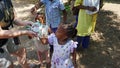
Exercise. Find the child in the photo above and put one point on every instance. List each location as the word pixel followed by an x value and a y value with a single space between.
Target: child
pixel 63 46
pixel 42 30
pixel 86 20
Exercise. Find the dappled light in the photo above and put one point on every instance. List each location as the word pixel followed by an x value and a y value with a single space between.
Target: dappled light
pixel 113 1
pixel 104 46
pixel 104 49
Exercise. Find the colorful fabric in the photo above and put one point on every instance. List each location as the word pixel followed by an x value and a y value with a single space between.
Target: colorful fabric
pixel 86 22
pixel 6 13
pixel 61 54
pixel 84 41
pixel 52 11
pixel 35 27
pixel 42 30
pixel 6 17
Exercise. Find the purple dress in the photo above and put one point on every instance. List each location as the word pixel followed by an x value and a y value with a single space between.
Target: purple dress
pixel 61 54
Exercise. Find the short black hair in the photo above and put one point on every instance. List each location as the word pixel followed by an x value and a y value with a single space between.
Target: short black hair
pixel 71 32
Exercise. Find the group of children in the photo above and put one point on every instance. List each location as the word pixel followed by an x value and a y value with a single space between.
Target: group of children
pixel 62 38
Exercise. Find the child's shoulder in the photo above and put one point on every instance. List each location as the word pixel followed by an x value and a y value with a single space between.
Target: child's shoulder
pixel 73 43
pixel 52 34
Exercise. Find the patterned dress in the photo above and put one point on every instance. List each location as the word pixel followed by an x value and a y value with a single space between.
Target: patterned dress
pixel 61 54
pixel 42 30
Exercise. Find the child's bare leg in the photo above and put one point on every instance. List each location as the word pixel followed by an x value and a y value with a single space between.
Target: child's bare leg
pixel 40 56
pixel 21 57
pixel 47 54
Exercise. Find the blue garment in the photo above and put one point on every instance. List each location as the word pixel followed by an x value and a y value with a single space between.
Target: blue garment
pixel 83 40
pixel 52 11
pixel 53 29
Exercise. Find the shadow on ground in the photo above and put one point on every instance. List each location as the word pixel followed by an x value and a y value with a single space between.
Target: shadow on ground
pixel 113 1
pixel 104 52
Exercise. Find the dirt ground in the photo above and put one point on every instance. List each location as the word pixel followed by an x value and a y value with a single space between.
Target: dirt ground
pixel 104 49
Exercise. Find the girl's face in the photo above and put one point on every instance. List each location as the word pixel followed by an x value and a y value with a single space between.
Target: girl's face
pixel 41 18
pixel 61 34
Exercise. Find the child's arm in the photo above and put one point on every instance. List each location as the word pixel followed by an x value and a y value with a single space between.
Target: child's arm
pixel 74 58
pixel 49 30
pixel 90 8
pixel 36 7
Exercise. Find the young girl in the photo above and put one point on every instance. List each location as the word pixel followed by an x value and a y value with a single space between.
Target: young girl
pixel 42 30
pixel 63 46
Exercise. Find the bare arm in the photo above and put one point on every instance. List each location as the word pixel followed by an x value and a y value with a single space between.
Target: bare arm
pixel 14 33
pixel 90 8
pixel 20 22
pixel 49 30
pixel 36 7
